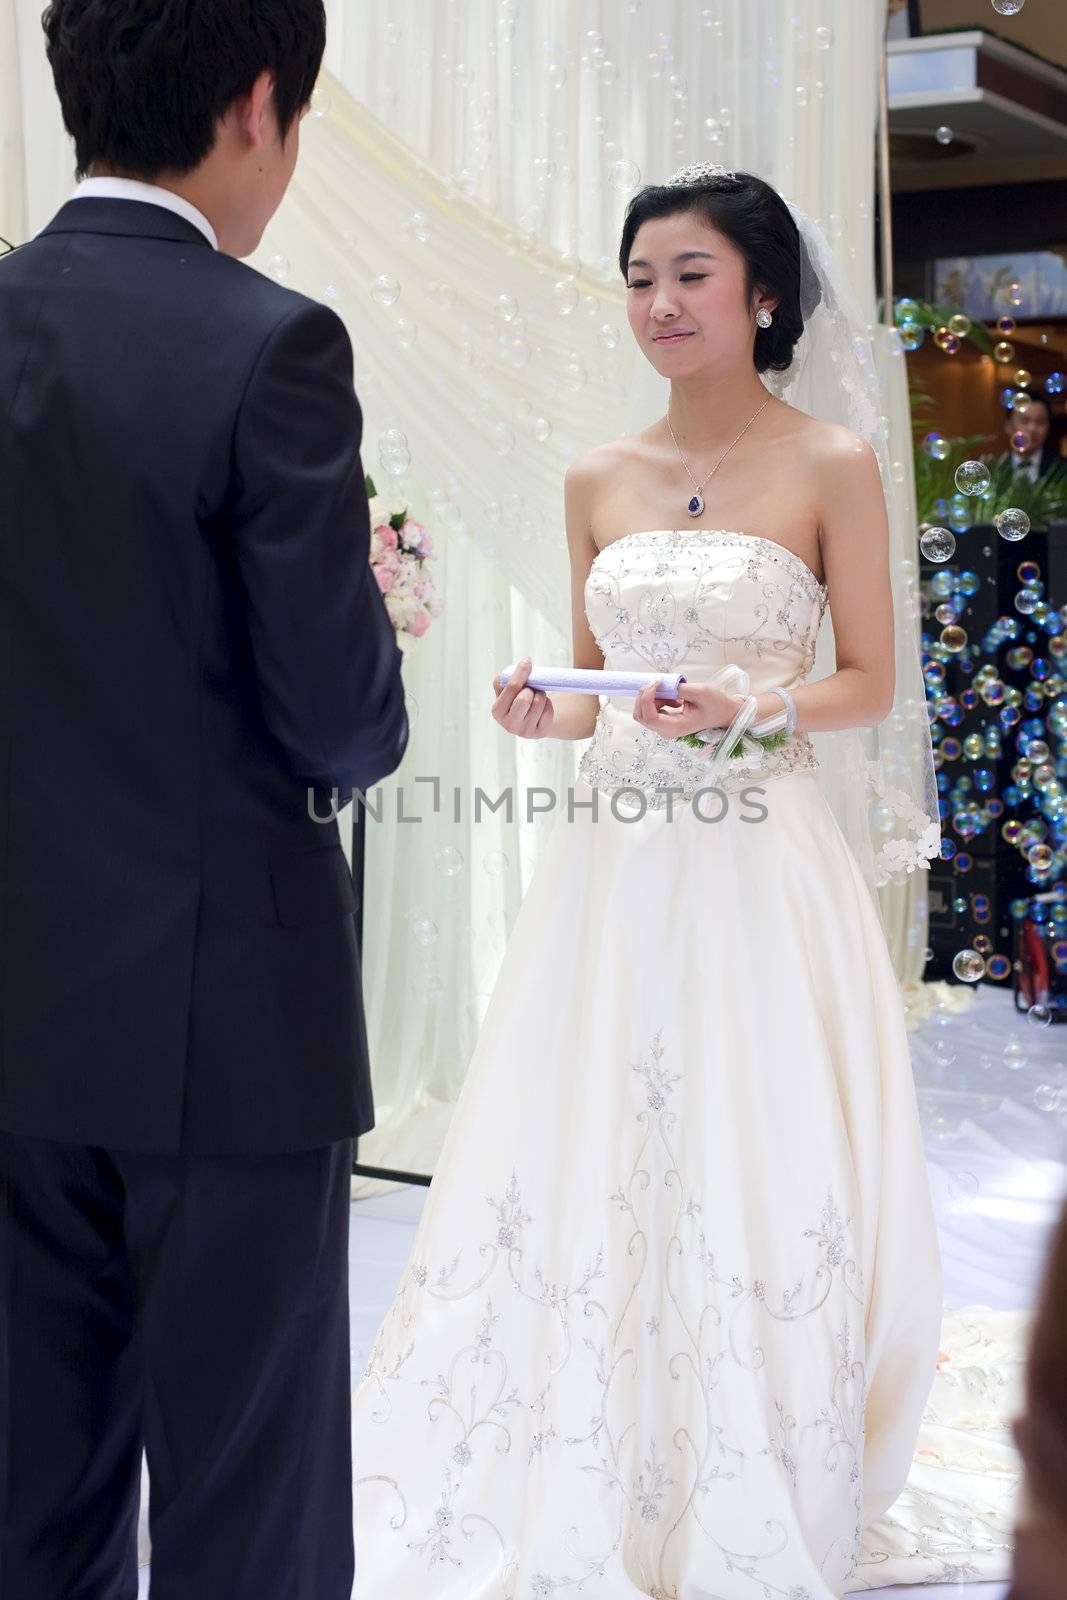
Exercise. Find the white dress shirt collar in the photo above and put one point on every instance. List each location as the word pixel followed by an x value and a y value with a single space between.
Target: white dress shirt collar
pixel 152 194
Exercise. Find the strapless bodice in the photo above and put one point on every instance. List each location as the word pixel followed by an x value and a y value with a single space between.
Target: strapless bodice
pixel 692 601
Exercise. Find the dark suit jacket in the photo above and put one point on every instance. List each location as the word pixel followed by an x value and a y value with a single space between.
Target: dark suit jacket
pixel 190 637
pixel 1049 458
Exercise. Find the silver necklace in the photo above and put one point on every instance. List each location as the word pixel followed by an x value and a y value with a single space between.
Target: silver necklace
pixel 696 504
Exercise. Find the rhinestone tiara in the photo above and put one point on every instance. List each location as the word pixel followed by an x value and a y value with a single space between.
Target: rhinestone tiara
pixel 700 172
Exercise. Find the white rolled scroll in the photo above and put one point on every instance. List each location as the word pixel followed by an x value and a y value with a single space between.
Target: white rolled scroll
pixel 591 680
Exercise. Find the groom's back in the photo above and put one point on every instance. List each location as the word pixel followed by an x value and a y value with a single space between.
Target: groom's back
pixel 189 638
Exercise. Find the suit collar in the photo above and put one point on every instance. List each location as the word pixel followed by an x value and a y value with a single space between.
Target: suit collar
pixel 136 219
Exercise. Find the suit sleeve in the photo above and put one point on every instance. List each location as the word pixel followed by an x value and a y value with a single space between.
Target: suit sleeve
pixel 325 649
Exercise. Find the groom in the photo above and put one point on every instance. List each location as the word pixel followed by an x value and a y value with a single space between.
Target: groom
pixel 193 653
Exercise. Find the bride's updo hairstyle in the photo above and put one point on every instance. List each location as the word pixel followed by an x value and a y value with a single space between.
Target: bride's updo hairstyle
pixel 756 220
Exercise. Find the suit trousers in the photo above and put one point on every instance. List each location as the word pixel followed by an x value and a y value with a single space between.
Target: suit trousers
pixel 195 1307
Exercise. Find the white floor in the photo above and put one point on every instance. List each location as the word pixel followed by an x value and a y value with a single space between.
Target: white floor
pixel 997 1163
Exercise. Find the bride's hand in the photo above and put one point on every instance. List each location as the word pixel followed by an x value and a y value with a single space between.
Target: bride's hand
pixel 701 706
pixel 527 713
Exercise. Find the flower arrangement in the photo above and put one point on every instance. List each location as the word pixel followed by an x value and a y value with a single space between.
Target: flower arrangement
pixel 401 551
pixel 768 741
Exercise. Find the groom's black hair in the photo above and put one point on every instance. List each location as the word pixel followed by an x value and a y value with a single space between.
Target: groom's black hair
pixel 143 84
pixel 757 221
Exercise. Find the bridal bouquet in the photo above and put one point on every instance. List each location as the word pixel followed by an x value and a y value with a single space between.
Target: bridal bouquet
pixel 401 553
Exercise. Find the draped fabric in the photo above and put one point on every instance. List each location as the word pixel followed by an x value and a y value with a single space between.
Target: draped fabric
pixel 480 156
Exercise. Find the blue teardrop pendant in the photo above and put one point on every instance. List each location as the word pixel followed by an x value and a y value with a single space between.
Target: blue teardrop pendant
pixel 696 505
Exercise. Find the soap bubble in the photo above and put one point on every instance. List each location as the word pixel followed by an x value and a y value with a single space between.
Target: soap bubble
pixel 557 75
pixel 1015 292
pixel 448 861
pixel 968 966
pixel 1008 8
pixel 960 514
pixel 320 104
pixel 1006 325
pixel 911 334
pixel 954 639
pixel 609 336
pixel 424 932
pixel 464 75
pixel 394 452
pixel 960 325
pixel 937 446
pixel 1023 377
pixel 944 134
pixel 937 544
pixel 1040 857
pixel 279 268
pixel 1020 440
pixel 406 332
pixel 1046 1098
pixel 824 38
pixel 1012 524
pixel 1054 383
pixel 624 176
pixel 1039 1016
pixel 1004 352
pixel 495 862
pixel 385 290
pixel 946 341
pixel 972 477
pixel 566 298
pixel 1019 403
pixel 906 310
pixel 542 430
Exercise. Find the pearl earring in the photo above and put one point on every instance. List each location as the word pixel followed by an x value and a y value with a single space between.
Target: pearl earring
pixel 763 317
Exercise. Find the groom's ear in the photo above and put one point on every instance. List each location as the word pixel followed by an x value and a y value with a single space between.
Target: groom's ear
pixel 253 115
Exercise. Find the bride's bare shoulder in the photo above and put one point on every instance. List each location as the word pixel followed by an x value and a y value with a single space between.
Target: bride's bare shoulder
pixel 825 444
pixel 603 461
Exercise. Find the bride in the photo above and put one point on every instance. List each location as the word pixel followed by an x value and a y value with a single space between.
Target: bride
pixel 672 1312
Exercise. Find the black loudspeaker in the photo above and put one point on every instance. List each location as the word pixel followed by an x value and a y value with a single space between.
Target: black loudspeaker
pixel 974 904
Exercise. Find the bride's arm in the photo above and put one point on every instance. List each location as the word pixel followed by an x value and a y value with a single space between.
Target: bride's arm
pixel 854 541
pixel 574 715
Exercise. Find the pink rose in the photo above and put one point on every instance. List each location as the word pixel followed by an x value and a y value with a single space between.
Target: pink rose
pixel 386 537
pixel 426 547
pixel 418 624
pixel 385 576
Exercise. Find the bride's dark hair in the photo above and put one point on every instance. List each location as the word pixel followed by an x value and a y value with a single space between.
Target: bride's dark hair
pixel 756 220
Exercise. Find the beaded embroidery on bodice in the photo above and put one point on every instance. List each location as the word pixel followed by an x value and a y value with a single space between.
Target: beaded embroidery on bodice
pixel 675 600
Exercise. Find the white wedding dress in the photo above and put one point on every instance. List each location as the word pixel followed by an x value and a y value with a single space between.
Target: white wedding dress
pixel 673 1309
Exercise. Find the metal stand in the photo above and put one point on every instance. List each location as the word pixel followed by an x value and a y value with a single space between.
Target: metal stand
pixel 359 845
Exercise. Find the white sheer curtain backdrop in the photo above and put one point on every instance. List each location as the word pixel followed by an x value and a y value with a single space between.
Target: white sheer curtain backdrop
pixel 481 155
pixel 12 154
